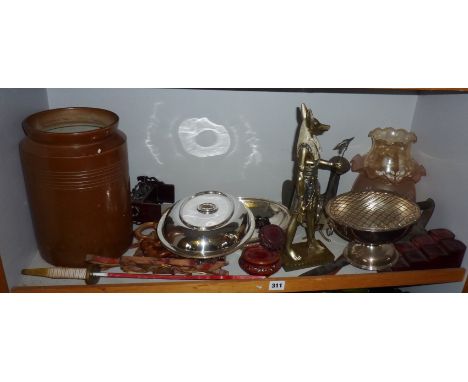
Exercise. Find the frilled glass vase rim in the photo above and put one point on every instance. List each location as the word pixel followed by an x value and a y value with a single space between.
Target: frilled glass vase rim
pixel 392 135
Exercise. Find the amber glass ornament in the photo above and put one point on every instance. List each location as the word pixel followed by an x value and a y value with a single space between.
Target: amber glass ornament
pixel 388 165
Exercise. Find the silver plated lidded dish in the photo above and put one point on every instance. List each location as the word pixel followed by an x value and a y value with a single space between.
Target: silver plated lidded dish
pixel 206 225
pixel 371 221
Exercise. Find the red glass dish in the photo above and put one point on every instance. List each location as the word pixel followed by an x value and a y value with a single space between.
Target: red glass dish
pixel 272 237
pixel 259 261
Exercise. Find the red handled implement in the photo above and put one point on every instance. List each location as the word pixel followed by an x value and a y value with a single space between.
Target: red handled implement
pixel 92 275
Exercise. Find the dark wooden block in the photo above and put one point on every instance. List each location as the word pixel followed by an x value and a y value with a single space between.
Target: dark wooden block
pixel 455 252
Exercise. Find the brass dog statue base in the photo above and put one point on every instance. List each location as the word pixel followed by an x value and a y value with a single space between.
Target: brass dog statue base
pixel 310 257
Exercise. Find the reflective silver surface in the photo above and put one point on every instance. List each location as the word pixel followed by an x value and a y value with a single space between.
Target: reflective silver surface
pixel 371 257
pixel 373 211
pixel 371 221
pixel 276 212
pixel 205 225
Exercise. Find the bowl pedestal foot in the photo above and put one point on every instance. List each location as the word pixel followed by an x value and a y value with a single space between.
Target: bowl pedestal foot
pixel 371 256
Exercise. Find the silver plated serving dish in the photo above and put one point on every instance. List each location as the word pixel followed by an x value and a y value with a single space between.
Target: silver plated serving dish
pixel 206 225
pixel 371 221
pixel 276 213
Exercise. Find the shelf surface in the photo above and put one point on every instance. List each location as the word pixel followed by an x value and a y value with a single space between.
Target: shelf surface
pixel 291 284
pixel 348 277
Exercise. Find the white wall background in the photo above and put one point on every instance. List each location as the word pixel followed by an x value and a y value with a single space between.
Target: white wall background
pixel 261 127
pixel 441 125
pixel 17 241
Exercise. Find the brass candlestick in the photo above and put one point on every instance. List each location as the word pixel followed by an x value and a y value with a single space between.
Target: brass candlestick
pixel 307 202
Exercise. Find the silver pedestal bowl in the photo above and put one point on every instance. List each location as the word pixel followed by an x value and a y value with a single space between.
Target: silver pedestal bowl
pixel 371 221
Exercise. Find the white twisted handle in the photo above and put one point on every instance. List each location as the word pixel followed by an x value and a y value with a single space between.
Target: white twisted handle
pixel 57 273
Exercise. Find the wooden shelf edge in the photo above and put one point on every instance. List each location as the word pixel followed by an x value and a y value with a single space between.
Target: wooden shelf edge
pixel 292 284
pixel 465 287
pixel 3 281
pixel 417 91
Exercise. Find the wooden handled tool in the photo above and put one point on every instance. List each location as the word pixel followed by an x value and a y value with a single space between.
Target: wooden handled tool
pixel 91 275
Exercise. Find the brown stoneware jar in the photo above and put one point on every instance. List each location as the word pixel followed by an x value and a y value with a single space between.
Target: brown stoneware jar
pixel 75 167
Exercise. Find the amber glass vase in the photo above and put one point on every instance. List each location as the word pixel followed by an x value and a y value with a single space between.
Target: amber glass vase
pixel 388 165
